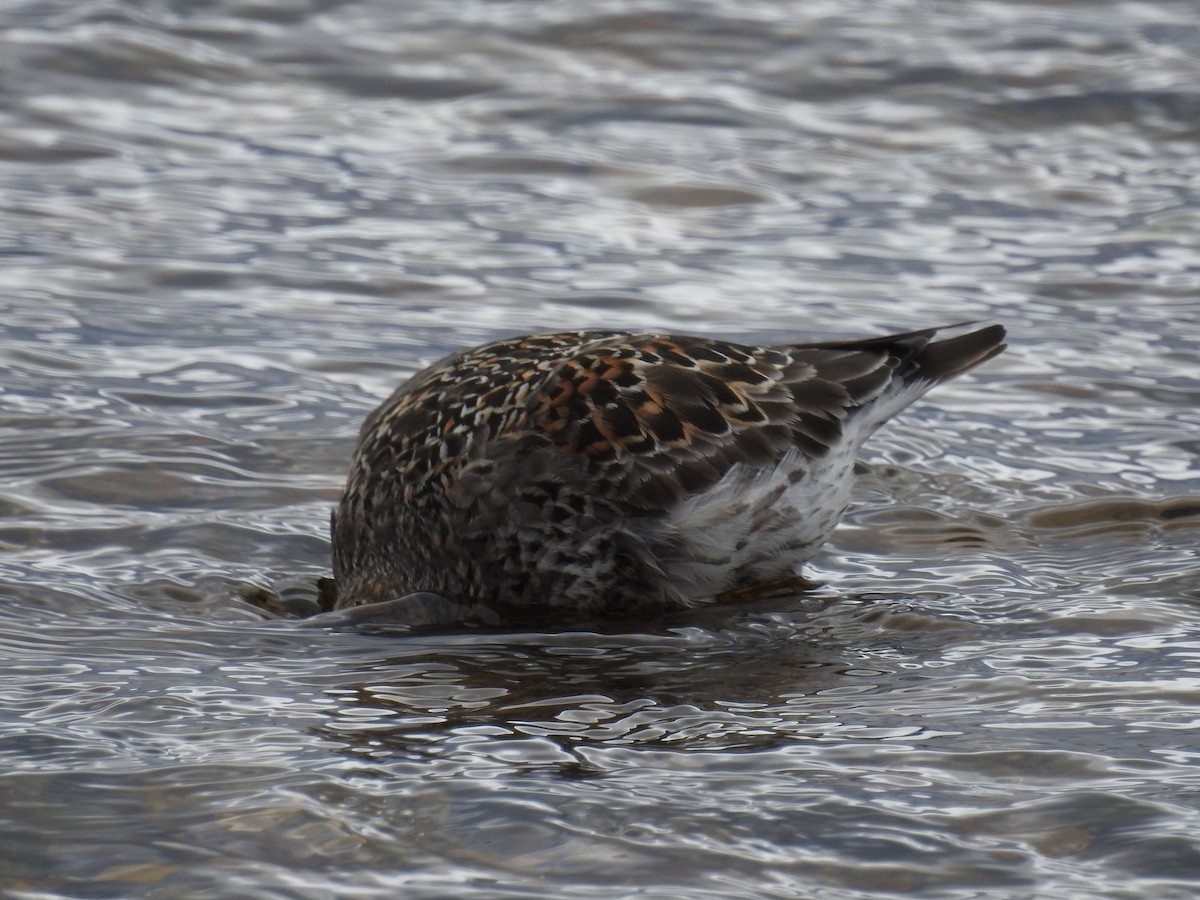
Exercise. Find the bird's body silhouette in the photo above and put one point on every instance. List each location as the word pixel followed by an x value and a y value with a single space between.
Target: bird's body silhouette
pixel 609 473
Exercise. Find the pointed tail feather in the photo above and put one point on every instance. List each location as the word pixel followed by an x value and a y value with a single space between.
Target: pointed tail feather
pixel 917 355
pixel 944 359
pixel 917 363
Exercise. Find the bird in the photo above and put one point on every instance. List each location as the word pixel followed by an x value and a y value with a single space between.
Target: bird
pixel 616 474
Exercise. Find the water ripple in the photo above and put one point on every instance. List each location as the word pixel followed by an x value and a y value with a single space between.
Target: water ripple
pixel 230 231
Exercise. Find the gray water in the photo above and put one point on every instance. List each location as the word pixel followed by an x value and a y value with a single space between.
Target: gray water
pixel 230 228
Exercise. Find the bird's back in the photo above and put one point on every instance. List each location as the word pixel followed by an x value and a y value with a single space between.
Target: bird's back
pixel 604 470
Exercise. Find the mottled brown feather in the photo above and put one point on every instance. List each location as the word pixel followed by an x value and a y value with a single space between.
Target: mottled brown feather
pixel 515 471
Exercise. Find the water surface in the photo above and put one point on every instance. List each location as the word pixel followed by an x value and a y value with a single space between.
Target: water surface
pixel 230 229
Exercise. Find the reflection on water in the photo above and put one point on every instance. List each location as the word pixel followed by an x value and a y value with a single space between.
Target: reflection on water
pixel 230 231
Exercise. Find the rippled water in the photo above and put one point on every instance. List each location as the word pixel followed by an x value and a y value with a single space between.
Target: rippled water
pixel 229 229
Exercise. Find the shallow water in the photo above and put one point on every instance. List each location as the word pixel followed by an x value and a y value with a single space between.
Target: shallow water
pixel 230 229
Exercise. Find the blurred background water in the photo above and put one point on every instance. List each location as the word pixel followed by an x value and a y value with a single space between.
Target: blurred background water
pixel 228 229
